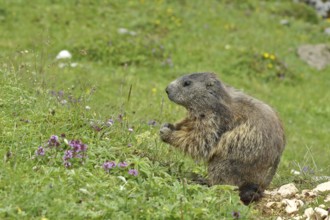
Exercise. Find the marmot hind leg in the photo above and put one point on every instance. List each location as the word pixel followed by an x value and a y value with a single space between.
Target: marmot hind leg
pixel 250 192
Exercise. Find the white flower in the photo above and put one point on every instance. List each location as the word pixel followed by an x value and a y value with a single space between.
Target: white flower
pixel 62 65
pixel 64 54
pixel 74 65
pixel 122 31
pixel 125 31
pixel 63 102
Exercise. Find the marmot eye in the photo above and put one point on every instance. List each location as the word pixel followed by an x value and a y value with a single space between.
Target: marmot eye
pixel 186 83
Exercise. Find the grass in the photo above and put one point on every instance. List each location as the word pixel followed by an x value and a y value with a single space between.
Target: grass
pixel 122 77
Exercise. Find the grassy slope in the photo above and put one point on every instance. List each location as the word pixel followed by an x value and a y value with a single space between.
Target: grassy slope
pixel 173 38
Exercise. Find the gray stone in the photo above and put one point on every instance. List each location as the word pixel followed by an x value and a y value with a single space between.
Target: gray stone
pixel 327 31
pixel 287 190
pixel 323 187
pixel 317 56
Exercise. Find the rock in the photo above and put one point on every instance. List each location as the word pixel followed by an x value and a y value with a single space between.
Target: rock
pixel 308 193
pixel 321 178
pixel 270 204
pixel 327 199
pixel 321 7
pixel 317 56
pixel 274 204
pixel 309 213
pixel 64 54
pixel 300 203
pixel 323 187
pixel 321 212
pixel 292 205
pixel 287 190
pixel 322 206
pixel 327 31
pixel 271 193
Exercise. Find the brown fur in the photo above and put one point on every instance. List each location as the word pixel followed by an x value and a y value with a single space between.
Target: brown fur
pixel 240 137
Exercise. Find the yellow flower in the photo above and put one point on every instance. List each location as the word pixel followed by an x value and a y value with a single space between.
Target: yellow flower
pixel 154 90
pixel 272 57
pixel 266 55
pixel 229 26
pixel 270 66
pixel 178 22
pixel 157 22
pixel 141 138
pixel 169 11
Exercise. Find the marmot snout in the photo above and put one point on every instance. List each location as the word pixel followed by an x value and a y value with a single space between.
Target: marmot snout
pixel 240 137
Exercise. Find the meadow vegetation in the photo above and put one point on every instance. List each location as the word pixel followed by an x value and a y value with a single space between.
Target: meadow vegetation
pixel 79 137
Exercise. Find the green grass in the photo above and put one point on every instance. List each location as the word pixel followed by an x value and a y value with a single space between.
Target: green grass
pixel 126 75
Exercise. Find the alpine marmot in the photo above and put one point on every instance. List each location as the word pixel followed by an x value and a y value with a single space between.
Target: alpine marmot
pixel 240 137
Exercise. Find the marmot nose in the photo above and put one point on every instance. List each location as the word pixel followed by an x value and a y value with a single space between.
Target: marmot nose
pixel 167 90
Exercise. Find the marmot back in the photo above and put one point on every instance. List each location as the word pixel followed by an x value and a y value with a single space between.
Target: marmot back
pixel 240 137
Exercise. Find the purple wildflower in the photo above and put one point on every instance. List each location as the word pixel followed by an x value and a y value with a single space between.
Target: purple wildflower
pixel 40 151
pixel 133 172
pixel 307 170
pixel 109 165
pixel 83 147
pixel 77 146
pixel 122 164
pixel 53 141
pixel 68 155
pixel 236 215
pixel 60 94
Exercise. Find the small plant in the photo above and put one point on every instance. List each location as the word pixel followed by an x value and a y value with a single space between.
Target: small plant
pixel 266 66
pixel 109 166
pixel 74 151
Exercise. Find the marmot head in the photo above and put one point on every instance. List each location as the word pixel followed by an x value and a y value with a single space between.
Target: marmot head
pixel 198 91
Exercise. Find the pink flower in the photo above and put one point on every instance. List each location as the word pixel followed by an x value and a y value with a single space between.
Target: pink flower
pixel 122 164
pixel 133 172
pixel 109 165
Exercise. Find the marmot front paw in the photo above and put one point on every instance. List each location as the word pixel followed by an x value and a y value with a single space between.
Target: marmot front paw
pixel 168 125
pixel 165 131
